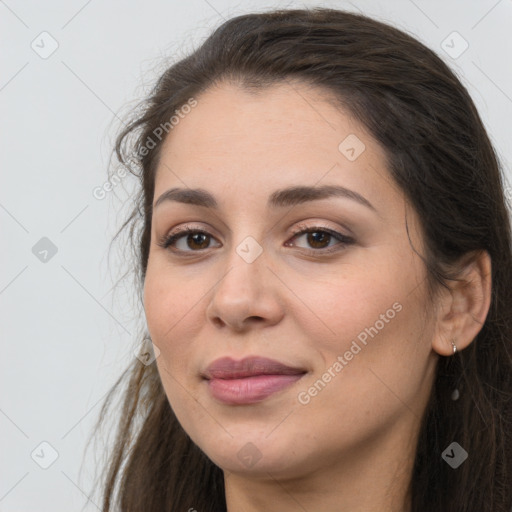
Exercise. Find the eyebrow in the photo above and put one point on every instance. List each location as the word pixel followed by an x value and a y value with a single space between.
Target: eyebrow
pixel 290 196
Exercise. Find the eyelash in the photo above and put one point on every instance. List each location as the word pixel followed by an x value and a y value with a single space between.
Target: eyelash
pixel 166 241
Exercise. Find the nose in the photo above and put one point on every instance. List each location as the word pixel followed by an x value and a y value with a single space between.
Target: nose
pixel 247 295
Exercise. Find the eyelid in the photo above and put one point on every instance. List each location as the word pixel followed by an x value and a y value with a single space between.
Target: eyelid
pixel 319 226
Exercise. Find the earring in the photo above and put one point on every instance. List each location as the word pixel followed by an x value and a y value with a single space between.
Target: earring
pixel 455 392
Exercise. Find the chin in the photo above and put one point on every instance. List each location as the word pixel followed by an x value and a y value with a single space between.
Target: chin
pixel 258 457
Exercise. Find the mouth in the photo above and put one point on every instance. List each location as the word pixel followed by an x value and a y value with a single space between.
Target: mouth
pixel 249 380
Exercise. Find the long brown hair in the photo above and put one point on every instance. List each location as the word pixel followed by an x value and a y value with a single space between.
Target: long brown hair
pixel 438 153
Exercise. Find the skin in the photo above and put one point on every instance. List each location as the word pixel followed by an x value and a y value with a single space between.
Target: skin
pixel 351 447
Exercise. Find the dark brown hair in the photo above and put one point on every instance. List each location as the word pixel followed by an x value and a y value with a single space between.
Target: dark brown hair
pixel 441 157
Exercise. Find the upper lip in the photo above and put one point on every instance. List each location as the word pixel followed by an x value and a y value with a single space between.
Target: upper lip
pixel 228 368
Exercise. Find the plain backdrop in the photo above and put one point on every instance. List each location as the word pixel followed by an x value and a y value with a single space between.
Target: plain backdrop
pixel 68 71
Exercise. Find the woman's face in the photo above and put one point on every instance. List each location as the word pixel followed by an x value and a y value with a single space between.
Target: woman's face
pixel 344 306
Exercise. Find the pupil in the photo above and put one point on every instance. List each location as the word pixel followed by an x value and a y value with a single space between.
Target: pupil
pixel 316 237
pixel 196 239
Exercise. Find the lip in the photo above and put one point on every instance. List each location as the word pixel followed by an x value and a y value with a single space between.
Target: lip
pixel 249 380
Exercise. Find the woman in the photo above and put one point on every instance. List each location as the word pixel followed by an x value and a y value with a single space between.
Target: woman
pixel 324 255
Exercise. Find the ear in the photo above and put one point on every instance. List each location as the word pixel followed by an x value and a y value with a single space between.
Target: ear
pixel 462 310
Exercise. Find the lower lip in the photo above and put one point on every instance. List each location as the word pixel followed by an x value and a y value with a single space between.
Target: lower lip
pixel 249 390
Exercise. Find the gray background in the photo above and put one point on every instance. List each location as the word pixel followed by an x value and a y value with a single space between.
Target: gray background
pixel 66 336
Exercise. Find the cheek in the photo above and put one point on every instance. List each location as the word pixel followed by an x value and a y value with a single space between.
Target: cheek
pixel 380 362
pixel 168 299
pixel 348 305
pixel 172 310
pixel 373 319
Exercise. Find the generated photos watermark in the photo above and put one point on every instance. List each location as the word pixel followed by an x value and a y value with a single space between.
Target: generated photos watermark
pixel 100 192
pixel 304 397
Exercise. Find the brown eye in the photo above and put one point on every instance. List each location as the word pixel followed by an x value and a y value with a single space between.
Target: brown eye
pixel 318 240
pixel 187 240
pixel 197 241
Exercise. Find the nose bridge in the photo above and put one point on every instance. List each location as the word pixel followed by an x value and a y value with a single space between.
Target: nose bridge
pixel 245 267
pixel 246 252
pixel 244 289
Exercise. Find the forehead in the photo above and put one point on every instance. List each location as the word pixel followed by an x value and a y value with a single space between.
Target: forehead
pixel 292 110
pixel 284 134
